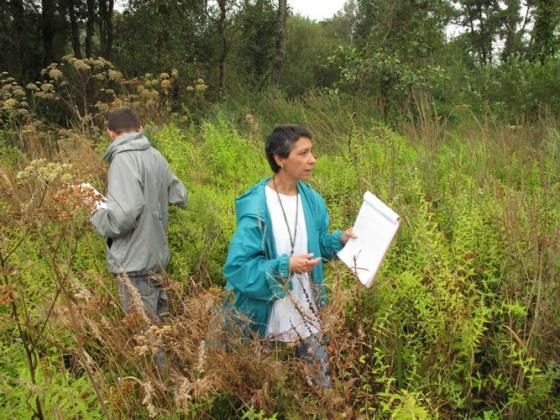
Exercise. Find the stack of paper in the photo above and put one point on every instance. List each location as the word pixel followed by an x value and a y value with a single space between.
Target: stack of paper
pixel 375 227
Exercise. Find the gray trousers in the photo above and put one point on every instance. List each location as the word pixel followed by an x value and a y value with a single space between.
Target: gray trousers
pixel 152 293
pixel 156 304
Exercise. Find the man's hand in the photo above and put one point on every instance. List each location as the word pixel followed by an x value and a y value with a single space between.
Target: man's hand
pixel 92 198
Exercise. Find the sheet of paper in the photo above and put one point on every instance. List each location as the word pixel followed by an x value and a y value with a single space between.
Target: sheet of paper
pixel 375 227
pixel 92 197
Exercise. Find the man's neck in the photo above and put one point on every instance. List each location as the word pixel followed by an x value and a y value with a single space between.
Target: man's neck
pixel 114 136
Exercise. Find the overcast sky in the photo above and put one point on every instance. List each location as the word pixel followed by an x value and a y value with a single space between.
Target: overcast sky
pixel 316 9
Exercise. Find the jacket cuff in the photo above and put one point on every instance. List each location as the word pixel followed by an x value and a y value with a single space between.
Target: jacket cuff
pixel 278 283
pixel 284 265
pixel 95 220
pixel 335 242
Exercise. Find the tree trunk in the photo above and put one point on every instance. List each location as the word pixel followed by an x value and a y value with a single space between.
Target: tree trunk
pixel 278 67
pixel 109 28
pixel 48 30
pixel 223 55
pixel 18 34
pixel 90 26
pixel 106 27
pixel 74 29
pixel 102 8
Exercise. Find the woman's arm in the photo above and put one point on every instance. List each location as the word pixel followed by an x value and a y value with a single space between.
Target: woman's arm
pixel 247 267
pixel 329 242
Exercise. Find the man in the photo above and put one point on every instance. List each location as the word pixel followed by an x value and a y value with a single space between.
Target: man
pixel 134 221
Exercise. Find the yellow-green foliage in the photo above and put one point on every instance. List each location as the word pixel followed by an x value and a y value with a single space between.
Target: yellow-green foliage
pixel 462 321
pixel 217 165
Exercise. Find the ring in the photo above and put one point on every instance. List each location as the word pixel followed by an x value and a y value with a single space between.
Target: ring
pixel 305 263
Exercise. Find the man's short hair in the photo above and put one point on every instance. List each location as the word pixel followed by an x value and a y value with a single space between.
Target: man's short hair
pixel 281 141
pixel 123 120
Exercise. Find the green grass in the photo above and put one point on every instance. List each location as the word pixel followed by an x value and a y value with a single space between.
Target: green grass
pixel 462 322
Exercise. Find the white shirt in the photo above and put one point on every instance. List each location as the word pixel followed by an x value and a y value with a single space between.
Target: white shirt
pixel 295 316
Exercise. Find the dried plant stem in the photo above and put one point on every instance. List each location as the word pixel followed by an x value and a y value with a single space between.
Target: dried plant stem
pixel 85 359
pixel 61 277
pixel 24 330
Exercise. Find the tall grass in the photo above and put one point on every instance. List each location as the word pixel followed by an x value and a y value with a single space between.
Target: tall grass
pixel 461 323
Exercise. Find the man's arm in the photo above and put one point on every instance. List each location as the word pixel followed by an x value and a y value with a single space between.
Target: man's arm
pixel 125 199
pixel 176 190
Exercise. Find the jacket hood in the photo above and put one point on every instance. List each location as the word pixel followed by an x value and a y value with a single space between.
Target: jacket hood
pixel 126 142
pixel 252 202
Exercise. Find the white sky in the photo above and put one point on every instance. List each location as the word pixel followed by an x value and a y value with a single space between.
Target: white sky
pixel 316 9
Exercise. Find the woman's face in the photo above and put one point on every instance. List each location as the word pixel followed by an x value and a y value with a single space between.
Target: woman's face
pixel 300 161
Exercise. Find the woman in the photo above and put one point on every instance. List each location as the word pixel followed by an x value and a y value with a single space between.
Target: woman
pixel 275 259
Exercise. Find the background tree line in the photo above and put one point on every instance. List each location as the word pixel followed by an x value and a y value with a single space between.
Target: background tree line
pixel 493 56
pixel 447 110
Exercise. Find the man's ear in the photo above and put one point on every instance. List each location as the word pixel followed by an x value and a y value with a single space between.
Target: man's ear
pixel 112 134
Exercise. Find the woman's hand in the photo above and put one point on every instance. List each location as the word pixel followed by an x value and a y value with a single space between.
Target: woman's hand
pixel 303 263
pixel 347 235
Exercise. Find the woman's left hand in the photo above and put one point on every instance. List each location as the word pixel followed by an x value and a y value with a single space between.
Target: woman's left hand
pixel 349 233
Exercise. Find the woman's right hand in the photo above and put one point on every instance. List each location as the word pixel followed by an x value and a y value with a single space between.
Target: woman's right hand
pixel 303 263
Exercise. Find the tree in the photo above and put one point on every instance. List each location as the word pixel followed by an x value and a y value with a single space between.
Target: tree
pixel 309 45
pixel 413 30
pixel 75 33
pixel 256 27
pixel 162 35
pixel 278 66
pixel 547 19
pixel 482 20
pixel 223 55
pixel 105 22
pixel 18 32
pixel 90 27
pixel 513 28
pixel 48 30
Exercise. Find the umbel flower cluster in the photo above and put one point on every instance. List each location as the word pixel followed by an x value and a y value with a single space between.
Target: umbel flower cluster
pixel 13 100
pixel 199 87
pixel 83 91
pixel 47 172
pixel 63 199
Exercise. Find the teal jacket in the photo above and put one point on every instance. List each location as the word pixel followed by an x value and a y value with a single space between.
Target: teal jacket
pixel 255 274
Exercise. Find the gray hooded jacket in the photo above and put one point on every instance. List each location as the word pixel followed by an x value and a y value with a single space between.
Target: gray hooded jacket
pixel 140 186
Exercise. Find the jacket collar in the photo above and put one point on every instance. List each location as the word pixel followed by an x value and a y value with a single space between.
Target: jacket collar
pixel 126 142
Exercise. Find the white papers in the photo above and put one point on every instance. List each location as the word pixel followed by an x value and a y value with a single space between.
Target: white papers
pixel 375 227
pixel 93 198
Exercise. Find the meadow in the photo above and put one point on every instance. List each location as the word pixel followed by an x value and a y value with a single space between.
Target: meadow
pixel 463 320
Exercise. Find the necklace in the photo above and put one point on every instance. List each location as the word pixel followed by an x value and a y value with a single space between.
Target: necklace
pixel 292 239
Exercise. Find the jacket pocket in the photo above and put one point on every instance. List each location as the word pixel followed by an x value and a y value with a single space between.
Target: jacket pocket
pixel 116 254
